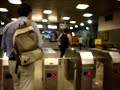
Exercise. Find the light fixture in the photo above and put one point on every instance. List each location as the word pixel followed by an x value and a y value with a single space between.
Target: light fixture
pixel 39 26
pixel 37 17
pixel 81 24
pixel 15 1
pixel 87 15
pixel 44 20
pixel 87 28
pixel 52 18
pixel 52 26
pixel 89 21
pixel 73 34
pixel 47 11
pixel 13 19
pixel 82 6
pixel 66 18
pixel 76 26
pixel 3 10
pixel 71 28
pixel 72 22
pixel 2 23
pixel 118 0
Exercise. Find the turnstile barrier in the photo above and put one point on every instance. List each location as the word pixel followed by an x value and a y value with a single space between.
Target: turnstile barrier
pixel 111 68
pixel 83 68
pixel 84 71
pixel 50 73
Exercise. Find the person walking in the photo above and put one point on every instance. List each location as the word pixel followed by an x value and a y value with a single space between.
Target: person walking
pixel 65 40
pixel 80 39
pixel 23 80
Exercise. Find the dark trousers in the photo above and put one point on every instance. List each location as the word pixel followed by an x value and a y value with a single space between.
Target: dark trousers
pixel 80 46
pixel 62 51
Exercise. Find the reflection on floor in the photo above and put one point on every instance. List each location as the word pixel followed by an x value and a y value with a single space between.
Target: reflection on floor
pixel 97 81
pixel 63 84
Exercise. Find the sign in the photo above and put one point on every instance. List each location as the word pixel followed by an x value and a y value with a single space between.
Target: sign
pixel 88 73
pixel 98 41
pixel 51 75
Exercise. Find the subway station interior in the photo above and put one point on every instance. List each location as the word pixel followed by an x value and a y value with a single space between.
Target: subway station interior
pixel 94 66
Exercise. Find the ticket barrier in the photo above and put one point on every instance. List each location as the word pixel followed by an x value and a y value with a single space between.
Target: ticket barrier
pixel 84 64
pixel 5 72
pixel 50 69
pixel 50 74
pixel 70 63
pixel 111 68
pixel 1 75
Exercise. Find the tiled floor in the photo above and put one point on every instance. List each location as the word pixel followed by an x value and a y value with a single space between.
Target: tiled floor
pixel 63 84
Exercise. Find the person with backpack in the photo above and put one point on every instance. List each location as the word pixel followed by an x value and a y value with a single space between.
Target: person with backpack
pixel 22 75
pixel 66 40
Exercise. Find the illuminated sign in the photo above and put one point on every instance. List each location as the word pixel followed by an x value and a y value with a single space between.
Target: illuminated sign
pixel 98 41
pixel 88 73
pixel 51 75
pixel 117 71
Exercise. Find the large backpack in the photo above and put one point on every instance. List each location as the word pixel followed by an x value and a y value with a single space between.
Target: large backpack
pixel 25 42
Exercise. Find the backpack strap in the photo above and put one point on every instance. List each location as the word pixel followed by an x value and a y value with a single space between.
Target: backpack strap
pixel 17 60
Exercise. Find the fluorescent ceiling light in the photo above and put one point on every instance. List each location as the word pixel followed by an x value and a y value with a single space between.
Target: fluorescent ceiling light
pixel 71 28
pixel 52 18
pixel 2 23
pixel 72 22
pixel 15 1
pixel 89 21
pixel 13 19
pixel 87 14
pixel 87 28
pixel 40 26
pixel 66 18
pixel 76 26
pixel 3 10
pixel 44 20
pixel 36 17
pixel 81 24
pixel 47 11
pixel 82 6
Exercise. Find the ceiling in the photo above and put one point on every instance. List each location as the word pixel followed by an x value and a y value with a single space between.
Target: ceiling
pixel 62 8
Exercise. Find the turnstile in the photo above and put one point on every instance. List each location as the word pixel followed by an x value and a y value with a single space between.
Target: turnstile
pixel 50 74
pixel 84 64
pixel 111 69
pixel 84 72
pixel 6 74
pixel 1 75
pixel 69 64
pixel 50 69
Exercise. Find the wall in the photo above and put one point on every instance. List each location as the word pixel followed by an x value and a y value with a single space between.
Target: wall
pixel 113 37
pixel 111 24
pixel 109 31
